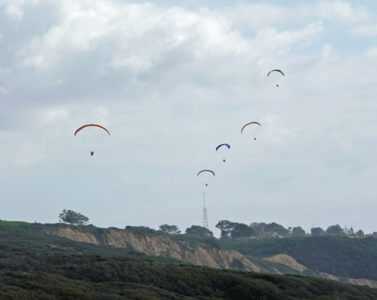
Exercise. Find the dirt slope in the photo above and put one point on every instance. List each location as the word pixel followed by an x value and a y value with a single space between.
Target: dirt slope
pixel 288 261
pixel 162 246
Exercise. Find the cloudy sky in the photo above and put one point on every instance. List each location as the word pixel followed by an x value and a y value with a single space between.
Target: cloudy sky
pixel 171 80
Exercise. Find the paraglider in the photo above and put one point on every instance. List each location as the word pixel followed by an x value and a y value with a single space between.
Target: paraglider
pixel 92 134
pixel 213 173
pixel 276 70
pixel 222 145
pixel 248 125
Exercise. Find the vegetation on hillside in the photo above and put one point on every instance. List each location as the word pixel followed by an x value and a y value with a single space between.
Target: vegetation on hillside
pixel 339 256
pixel 35 265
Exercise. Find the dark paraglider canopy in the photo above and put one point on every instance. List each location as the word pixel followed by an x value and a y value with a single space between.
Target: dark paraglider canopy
pixel 206 171
pixel 275 70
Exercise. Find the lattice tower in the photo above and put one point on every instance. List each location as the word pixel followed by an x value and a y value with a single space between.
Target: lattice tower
pixel 205 219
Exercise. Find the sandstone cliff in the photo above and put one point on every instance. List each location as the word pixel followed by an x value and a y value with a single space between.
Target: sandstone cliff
pixel 162 245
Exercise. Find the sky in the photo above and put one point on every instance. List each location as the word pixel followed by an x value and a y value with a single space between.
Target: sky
pixel 171 80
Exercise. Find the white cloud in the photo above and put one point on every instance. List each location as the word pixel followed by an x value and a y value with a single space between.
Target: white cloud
pixel 364 30
pixel 138 37
pixel 200 76
pixel 275 133
pixel 255 16
pixel 29 154
pixel 327 53
pixel 101 114
pixel 52 116
pixel 343 11
pixel 3 90
pixel 263 15
pixel 15 8
pixel 271 41
pixel 371 53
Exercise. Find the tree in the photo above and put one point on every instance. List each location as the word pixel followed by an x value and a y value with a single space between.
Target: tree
pixel 351 232
pixel 274 229
pixel 242 231
pixel 170 229
pixel 335 230
pixel 298 232
pixel 348 231
pixel 271 230
pixel 360 233
pixel 260 228
pixel 226 227
pixel 199 230
pixel 317 231
pixel 235 230
pixel 143 229
pixel 72 217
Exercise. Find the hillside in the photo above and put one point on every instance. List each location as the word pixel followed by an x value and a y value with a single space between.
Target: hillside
pixel 339 256
pixel 158 245
pixel 319 257
pixel 36 265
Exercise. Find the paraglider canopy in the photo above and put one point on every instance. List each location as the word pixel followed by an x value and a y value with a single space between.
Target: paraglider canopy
pixel 205 171
pixel 275 70
pixel 92 135
pixel 91 125
pixel 249 124
pixel 223 146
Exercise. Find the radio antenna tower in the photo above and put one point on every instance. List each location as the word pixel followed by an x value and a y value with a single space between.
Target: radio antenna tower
pixel 205 220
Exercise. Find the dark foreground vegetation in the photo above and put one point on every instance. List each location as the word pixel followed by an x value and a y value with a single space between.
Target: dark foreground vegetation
pixel 339 256
pixel 34 265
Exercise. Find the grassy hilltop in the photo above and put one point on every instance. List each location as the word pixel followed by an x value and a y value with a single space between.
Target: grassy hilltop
pixel 35 265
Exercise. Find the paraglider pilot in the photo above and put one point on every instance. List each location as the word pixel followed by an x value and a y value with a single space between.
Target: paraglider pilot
pixel 91 153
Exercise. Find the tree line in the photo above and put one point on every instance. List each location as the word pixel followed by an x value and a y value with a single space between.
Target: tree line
pixel 236 230
pixel 232 230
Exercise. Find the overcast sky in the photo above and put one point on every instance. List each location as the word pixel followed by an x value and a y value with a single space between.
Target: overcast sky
pixel 171 80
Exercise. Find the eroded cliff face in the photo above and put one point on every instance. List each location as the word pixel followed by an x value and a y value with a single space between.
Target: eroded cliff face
pixel 287 260
pixel 162 245
pixel 292 263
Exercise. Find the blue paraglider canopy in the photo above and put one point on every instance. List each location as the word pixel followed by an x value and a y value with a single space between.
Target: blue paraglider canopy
pixel 222 145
